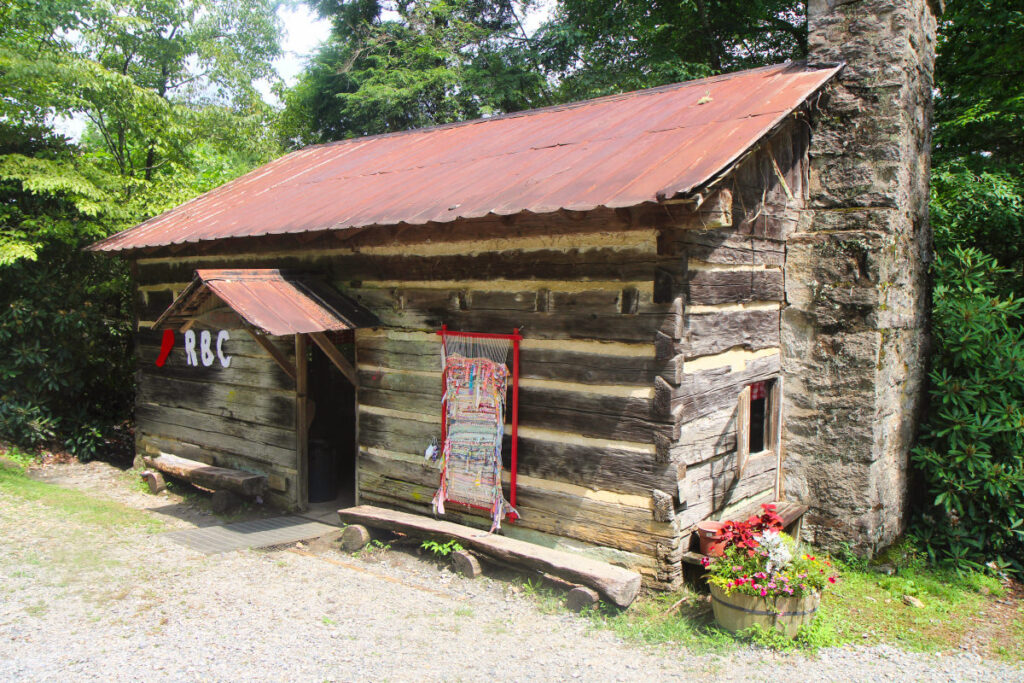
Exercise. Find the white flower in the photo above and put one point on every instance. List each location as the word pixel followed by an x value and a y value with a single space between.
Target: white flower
pixel 778 552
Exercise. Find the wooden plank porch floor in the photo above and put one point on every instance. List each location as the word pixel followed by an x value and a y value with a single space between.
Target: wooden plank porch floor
pixel 260 533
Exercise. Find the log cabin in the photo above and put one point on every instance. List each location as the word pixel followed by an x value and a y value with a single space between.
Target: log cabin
pixel 287 321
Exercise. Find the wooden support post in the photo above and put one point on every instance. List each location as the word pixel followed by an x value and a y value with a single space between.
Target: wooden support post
pixel 355 537
pixel 274 352
pixel 742 431
pixel 332 352
pixel 301 421
pixel 581 598
pixel 466 564
pixel 775 407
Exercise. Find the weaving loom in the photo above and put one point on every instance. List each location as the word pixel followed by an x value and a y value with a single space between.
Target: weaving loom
pixel 473 405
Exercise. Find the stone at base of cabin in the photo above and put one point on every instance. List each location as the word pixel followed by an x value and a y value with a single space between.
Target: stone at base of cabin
pixel 155 481
pixel 354 537
pixel 581 597
pixel 466 564
pixel 138 463
pixel 224 501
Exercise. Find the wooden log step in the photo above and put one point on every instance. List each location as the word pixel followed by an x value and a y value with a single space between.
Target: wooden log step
pixel 619 586
pixel 242 483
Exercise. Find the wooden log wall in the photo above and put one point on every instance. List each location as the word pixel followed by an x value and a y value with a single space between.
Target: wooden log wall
pixel 735 293
pixel 626 426
pixel 239 417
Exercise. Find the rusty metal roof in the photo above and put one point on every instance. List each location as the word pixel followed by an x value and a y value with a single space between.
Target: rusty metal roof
pixel 268 300
pixel 617 151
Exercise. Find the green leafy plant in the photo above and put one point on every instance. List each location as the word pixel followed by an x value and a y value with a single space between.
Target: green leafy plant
pixel 774 568
pixel 374 547
pixel 971 449
pixel 441 549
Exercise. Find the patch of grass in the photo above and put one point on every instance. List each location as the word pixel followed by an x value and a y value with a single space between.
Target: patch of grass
pixel 75 504
pixel 37 609
pixel 463 612
pixel 372 549
pixel 548 600
pixel 327 621
pixel 656 619
pixel 16 456
pixel 865 607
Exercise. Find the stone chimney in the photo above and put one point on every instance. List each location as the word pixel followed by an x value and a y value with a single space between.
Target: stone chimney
pixel 855 331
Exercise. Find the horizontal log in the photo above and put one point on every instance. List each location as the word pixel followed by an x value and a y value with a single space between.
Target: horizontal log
pixel 271 435
pixel 619 586
pixel 534 363
pixel 706 437
pixel 715 481
pixel 216 478
pixel 506 259
pixel 251 404
pixel 554 512
pixel 727 247
pixel 258 373
pixel 705 334
pixel 709 391
pixel 152 444
pixel 734 286
pixel 248 447
pixel 547 414
pixel 428 310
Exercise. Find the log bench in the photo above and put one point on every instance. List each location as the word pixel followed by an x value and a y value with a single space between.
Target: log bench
pixel 224 482
pixel 792 515
pixel 617 585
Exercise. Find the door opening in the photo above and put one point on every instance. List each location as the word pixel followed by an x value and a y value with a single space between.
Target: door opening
pixel 332 431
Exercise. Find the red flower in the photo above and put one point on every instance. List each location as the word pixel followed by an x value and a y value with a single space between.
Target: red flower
pixel 831 579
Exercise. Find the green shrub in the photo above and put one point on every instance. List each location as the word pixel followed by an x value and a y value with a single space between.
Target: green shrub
pixel 972 445
pixel 66 367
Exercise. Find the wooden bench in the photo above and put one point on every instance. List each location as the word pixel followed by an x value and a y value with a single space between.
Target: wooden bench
pixel 218 479
pixel 617 585
pixel 792 515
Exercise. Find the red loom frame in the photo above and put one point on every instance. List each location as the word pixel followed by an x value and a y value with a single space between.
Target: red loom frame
pixel 515 337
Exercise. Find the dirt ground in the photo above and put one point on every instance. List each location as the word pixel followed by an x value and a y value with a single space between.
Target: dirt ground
pixel 101 597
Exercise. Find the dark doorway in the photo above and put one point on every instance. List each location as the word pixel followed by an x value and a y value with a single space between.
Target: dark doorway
pixel 332 433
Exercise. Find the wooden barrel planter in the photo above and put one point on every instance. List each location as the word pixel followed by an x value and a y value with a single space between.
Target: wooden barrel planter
pixel 736 612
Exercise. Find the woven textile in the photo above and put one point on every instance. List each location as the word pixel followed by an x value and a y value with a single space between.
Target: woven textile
pixel 474 408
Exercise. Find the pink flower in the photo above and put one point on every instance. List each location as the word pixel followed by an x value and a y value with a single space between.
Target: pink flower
pixel 704 562
pixel 737 568
pixel 771 585
pixel 763 592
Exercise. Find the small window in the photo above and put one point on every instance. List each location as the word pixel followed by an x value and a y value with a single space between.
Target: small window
pixel 758 413
pixel 758 418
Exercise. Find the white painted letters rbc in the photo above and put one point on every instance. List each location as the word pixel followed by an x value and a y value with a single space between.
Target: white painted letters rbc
pixel 222 337
pixel 205 353
pixel 190 348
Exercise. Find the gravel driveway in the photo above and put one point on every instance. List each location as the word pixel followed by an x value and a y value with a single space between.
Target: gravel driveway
pixel 78 602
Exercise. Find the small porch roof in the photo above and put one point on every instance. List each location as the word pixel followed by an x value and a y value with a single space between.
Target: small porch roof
pixel 269 301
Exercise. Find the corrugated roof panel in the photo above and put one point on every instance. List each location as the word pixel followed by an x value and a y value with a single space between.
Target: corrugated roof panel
pixel 270 302
pixel 616 151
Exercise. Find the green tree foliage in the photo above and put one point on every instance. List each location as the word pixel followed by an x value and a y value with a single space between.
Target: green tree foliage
pixel 605 46
pixel 167 89
pixel 412 63
pixel 978 176
pixel 971 450
pixel 971 455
